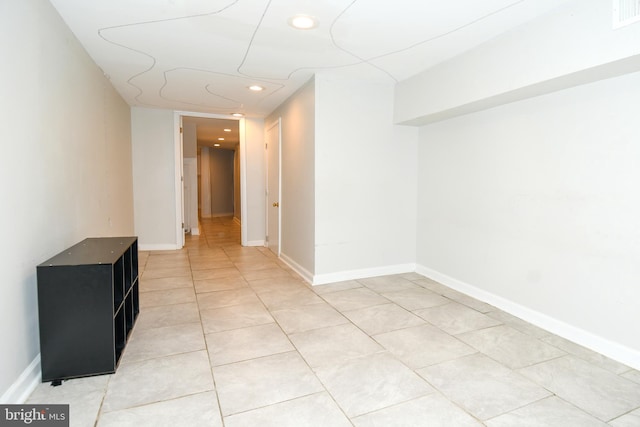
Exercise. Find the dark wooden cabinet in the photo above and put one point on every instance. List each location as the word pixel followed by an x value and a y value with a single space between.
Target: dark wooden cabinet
pixel 88 302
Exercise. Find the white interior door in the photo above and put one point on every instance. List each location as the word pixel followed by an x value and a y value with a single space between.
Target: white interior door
pixel 273 187
pixel 191 195
pixel 179 184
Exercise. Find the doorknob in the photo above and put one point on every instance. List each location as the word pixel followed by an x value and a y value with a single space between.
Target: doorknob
pixel 276 204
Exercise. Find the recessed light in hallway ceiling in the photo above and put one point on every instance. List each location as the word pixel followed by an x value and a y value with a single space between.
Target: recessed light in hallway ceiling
pixel 303 22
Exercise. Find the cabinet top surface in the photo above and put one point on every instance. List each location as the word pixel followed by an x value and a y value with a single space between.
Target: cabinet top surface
pixel 94 250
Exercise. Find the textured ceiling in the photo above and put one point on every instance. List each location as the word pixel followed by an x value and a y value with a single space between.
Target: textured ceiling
pixel 200 55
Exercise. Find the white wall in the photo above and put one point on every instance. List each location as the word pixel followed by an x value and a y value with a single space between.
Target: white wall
pixel 297 206
pixel 221 164
pixel 152 137
pixel 365 182
pixel 205 182
pixel 534 207
pixel 573 45
pixel 65 172
pixel 253 221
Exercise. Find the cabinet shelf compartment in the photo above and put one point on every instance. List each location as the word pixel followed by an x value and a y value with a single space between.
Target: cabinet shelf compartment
pixel 131 308
pixel 134 260
pixel 120 334
pixel 118 283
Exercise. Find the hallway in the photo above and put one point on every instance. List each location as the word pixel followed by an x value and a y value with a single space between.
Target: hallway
pixel 229 335
pixel 216 232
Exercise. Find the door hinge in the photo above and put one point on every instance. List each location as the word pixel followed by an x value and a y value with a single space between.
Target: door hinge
pixel 266 239
pixel 180 129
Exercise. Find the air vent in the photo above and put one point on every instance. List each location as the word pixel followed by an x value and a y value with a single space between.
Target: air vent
pixel 625 12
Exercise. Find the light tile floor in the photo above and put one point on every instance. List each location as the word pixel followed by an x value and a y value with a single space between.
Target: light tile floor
pixel 230 336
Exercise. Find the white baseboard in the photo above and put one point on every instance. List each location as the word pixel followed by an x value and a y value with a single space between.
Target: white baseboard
pixel 22 388
pixel 303 272
pixel 255 243
pixel 341 276
pixel 195 231
pixel 157 247
pixel 613 350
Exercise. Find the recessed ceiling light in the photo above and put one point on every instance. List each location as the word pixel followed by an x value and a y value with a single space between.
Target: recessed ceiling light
pixel 220 139
pixel 216 145
pixel 303 22
pixel 237 115
pixel 227 130
pixel 256 88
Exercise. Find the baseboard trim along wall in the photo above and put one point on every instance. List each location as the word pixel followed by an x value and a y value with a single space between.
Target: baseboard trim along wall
pixel 157 247
pixel 341 276
pixel 615 351
pixel 306 274
pixel 22 388
pixel 255 243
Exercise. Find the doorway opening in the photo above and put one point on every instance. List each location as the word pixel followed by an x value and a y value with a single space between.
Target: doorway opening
pixel 212 172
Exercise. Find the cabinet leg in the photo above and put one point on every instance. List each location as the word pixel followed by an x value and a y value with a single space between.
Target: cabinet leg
pixel 56 383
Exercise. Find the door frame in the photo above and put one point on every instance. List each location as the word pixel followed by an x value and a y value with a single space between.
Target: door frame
pixel 177 122
pixel 179 181
pixel 278 123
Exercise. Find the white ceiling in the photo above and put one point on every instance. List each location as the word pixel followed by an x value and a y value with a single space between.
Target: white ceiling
pixel 200 55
